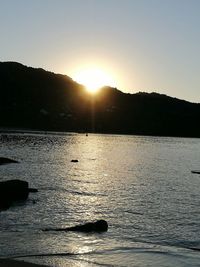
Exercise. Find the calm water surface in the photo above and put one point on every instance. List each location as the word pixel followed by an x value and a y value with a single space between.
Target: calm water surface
pixel 143 187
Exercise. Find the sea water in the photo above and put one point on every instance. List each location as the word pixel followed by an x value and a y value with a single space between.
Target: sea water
pixel 142 186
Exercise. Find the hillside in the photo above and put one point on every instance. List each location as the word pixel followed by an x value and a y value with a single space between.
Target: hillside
pixel 41 100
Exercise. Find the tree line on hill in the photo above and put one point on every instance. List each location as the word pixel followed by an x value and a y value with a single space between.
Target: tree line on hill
pixel 41 100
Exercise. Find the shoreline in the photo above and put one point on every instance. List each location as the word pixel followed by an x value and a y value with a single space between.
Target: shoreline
pixel 18 263
pixel 24 131
pixel 30 131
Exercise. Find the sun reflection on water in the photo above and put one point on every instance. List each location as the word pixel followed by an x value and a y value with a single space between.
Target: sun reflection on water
pixel 82 195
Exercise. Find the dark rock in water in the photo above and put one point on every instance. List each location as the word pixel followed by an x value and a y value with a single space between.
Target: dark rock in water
pixel 7 160
pixel 5 204
pixel 196 172
pixel 98 227
pixel 33 190
pixel 193 248
pixel 11 191
pixel 74 160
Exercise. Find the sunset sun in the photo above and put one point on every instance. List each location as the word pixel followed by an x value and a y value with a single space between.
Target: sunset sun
pixel 93 79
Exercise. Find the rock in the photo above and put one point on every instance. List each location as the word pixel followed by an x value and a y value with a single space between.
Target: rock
pixel 74 160
pixel 196 172
pixel 7 160
pixel 13 190
pixel 33 190
pixel 98 226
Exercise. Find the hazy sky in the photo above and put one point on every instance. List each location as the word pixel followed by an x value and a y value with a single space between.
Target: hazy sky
pixel 147 45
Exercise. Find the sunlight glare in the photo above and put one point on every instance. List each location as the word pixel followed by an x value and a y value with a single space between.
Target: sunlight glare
pixel 93 79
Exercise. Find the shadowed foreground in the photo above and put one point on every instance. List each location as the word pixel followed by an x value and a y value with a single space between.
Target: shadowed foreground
pixel 14 263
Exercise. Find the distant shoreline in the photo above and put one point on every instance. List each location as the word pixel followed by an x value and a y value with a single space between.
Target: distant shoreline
pixel 31 131
pixel 63 133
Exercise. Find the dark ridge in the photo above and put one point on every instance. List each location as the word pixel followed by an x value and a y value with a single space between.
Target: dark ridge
pixel 41 100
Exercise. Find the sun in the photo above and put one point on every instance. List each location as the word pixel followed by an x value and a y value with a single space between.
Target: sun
pixel 93 79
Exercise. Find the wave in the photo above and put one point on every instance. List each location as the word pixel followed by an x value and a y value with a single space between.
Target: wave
pixel 101 257
pixel 71 255
pixel 71 191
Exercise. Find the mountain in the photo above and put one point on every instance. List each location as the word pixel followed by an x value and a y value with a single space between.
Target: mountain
pixel 37 99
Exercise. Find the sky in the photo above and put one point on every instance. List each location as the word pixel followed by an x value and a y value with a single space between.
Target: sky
pixel 146 45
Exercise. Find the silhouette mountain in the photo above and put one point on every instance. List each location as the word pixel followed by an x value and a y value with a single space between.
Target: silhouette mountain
pixel 41 100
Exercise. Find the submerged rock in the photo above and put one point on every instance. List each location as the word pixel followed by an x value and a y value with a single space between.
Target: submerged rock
pixel 33 190
pixel 7 160
pixel 74 160
pixel 98 226
pixel 196 172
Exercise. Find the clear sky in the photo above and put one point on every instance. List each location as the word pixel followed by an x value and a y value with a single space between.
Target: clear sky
pixel 146 45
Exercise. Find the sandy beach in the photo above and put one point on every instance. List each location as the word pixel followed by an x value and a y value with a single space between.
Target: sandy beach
pixel 16 263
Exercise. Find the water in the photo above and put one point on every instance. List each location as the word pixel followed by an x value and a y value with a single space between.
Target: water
pixel 143 187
